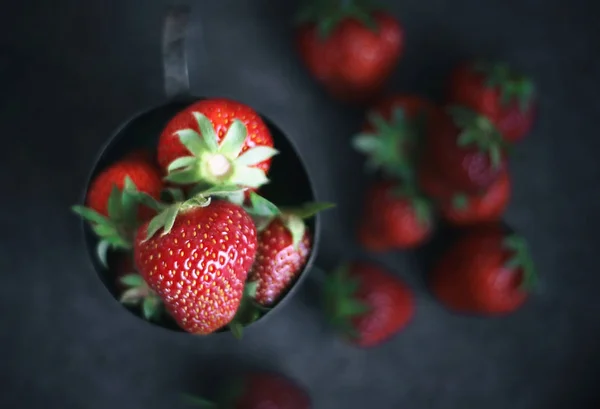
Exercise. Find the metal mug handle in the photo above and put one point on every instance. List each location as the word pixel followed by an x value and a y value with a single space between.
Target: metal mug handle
pixel 176 77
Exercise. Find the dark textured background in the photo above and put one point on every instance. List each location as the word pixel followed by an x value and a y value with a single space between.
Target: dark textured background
pixel 71 71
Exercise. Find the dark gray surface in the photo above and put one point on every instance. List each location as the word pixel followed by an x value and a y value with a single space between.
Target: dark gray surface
pixel 71 71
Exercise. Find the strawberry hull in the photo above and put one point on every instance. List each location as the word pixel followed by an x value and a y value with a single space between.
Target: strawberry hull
pixel 290 185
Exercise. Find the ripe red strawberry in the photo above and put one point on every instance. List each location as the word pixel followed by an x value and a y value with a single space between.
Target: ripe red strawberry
pixel 487 271
pixel 284 245
pixel 144 176
pixel 399 217
pixel 113 211
pixel 348 47
pixel 259 390
pixel 367 304
pixel 466 149
pixel 393 132
pixel 216 142
pixel 492 89
pixel 488 206
pixel 134 291
pixel 199 262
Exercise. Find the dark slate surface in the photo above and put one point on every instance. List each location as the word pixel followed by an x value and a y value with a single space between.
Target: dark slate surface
pixel 71 71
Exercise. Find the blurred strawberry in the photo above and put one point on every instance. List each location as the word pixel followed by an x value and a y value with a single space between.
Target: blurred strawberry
pixel 367 304
pixel 349 47
pixel 487 271
pixel 488 206
pixel 466 149
pixel 392 134
pixel 495 90
pixel 394 217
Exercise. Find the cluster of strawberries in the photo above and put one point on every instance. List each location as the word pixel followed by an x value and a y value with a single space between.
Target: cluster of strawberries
pixel 445 163
pixel 191 239
pixel 190 232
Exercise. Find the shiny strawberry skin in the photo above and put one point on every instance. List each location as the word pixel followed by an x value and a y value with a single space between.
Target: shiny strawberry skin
pixel 221 112
pixel 354 62
pixel 471 277
pixel 277 262
pixel 465 168
pixel 467 87
pixel 390 303
pixel 265 390
pixel 144 175
pixel 200 267
pixel 486 207
pixel 392 218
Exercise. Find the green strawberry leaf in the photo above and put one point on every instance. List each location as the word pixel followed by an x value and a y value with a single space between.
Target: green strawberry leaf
pixel 339 291
pixel 207 131
pixel 234 139
pixel 256 155
pixel 114 204
pixel 460 201
pixel 308 210
pixel 102 252
pixel 200 402
pixel 192 141
pixel 132 280
pixel 259 206
pixel 90 215
pixel 182 162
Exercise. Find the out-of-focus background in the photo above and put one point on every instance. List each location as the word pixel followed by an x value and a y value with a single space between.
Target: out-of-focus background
pixel 72 71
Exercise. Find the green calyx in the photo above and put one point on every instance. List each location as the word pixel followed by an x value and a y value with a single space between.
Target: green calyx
pixel 218 164
pixel 460 201
pixel 139 293
pixel 423 207
pixel 341 304
pixel 327 14
pixel 512 86
pixel 264 212
pixel 168 213
pixel 389 146
pixel 115 231
pixel 477 130
pixel 521 259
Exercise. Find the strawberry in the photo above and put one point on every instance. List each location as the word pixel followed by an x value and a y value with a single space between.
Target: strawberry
pixel 258 390
pixel 143 175
pixel 466 149
pixel 488 206
pixel 367 304
pixel 134 291
pixel 216 142
pixel 284 244
pixel 112 210
pixel 394 217
pixel 495 90
pixel 392 134
pixel 199 263
pixel 486 271
pixel 349 47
